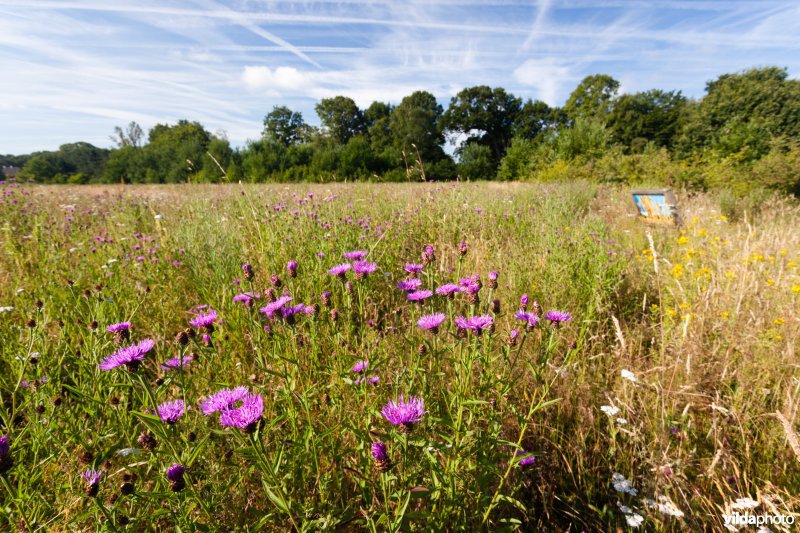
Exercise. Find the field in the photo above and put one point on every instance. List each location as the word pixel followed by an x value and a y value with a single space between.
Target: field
pixel 650 381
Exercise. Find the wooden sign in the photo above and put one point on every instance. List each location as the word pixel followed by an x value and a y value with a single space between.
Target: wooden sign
pixel 657 206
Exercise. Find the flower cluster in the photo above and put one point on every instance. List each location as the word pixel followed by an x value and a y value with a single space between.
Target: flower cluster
pixel 236 407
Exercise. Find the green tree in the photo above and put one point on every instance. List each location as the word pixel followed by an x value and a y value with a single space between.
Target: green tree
pixel 647 117
pixel 415 127
pixel 284 125
pixel 342 117
pixel 84 158
pixel 485 116
pixel 534 118
pixel 592 98
pixel 132 135
pixel 476 161
pixel 177 152
pixel 742 112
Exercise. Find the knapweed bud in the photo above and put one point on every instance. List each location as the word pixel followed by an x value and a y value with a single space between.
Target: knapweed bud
pixel 523 302
pixel 291 268
pixel 182 338
pixel 276 281
pixel 175 477
pixel 462 248
pixel 493 280
pixel 325 298
pixel 513 335
pixel 147 441
pixel 537 309
pixel 247 269
pixel 495 306
pixel 380 456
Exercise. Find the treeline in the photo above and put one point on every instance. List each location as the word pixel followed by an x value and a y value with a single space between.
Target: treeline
pixel 744 132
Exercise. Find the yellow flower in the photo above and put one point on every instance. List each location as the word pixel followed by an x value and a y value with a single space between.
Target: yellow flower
pixel 723 218
pixel 729 274
pixel 778 321
pixel 795 288
pixel 677 270
pixel 783 252
pixel 683 239
pixel 702 272
pixel 770 282
pixel 725 314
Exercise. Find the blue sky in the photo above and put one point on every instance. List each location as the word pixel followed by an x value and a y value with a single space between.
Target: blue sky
pixel 74 69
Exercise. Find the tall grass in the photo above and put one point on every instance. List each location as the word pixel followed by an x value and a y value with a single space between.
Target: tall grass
pixel 702 321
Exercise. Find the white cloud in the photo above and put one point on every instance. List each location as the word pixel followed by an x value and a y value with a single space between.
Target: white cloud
pixel 275 81
pixel 546 76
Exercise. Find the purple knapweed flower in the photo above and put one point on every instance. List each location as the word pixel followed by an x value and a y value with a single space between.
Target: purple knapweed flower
pixel 431 322
pixel 122 326
pixel 247 269
pixel 513 335
pixel 340 270
pixel 528 458
pixel 175 477
pixel 404 413
pixel 246 298
pixel 372 380
pixel 355 254
pixel 523 302
pixel 462 248
pixel 409 284
pixel 413 269
pixel 170 412
pixel 363 268
pixel 176 362
pixel 493 275
pixel 222 400
pixel 418 296
pixel 130 356
pixel 291 268
pixel 448 290
pixel 557 317
pixel 530 319
pixel 476 324
pixel 378 451
pixel 6 461
pixel 92 478
pixel 428 255
pixel 205 321
pixel 246 415
pixel 271 308
pixel 360 366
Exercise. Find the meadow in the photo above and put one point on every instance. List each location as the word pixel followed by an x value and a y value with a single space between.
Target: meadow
pixel 387 357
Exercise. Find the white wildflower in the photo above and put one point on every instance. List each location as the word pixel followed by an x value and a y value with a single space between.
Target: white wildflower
pixel 744 503
pixel 159 217
pixel 665 506
pixel 630 376
pixel 6 309
pixel 623 485
pixel 634 519
pixel 610 410
pixel 621 421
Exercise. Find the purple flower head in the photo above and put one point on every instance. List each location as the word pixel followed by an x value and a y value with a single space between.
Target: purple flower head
pixel 372 380
pixel 339 270
pixel 222 400
pixel 469 280
pixel 493 276
pixel 170 412
pixel 448 289
pixel 418 296
pixel 378 451
pixel 360 366
pixel 288 312
pixel 528 458
pixel 363 268
pixel 431 322
pixel 175 362
pixel 92 476
pixel 246 298
pixel 557 317
pixel 530 319
pixel 291 267
pixel 130 356
pixel 404 413
pixel 122 326
pixel 462 248
pixel 409 284
pixel 472 288
pixel 247 268
pixel 271 308
pixel 5 447
pixel 413 268
pixel 246 414
pixel 523 302
pixel 476 324
pixel 204 320
pixel 428 254
pixel 175 473
pixel 355 254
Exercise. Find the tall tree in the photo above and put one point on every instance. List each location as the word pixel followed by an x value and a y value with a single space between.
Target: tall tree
pixel 741 113
pixel 485 116
pixel 651 116
pixel 284 125
pixel 132 135
pixel 534 118
pixel 415 123
pixel 592 98
pixel 342 117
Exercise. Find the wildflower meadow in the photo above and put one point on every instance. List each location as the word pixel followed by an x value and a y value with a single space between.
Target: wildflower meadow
pixel 393 357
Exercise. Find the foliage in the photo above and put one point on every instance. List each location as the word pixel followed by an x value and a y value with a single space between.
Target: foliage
pixel 593 98
pixel 341 117
pixel 284 125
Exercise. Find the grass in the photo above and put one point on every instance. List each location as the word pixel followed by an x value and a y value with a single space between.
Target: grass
pixel 703 320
